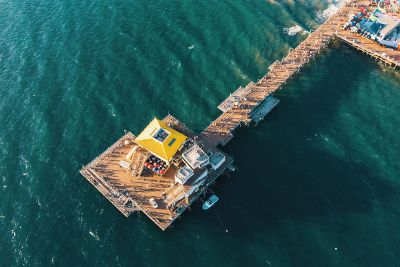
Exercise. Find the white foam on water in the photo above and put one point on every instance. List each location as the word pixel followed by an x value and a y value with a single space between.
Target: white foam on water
pixel 331 10
pixel 325 14
pixel 191 47
pixel 238 71
pixel 112 111
pixel 291 31
pixel 176 63
pixel 94 235
pixel 25 166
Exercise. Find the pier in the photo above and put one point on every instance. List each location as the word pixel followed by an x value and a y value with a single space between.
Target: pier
pixel 130 190
pixel 237 108
pixel 146 173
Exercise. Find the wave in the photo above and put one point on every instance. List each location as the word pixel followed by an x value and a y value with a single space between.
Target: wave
pixel 323 15
pixel 294 30
pixel 94 235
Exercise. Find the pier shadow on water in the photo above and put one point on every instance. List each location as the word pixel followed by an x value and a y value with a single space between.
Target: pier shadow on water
pixel 284 171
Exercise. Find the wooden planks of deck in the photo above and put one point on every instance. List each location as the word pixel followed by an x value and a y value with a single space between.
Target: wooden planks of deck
pixel 129 193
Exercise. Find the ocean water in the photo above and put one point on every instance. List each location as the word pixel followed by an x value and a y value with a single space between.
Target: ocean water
pixel 318 181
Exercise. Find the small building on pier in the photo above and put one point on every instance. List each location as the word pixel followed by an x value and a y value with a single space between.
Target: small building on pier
pixel 161 140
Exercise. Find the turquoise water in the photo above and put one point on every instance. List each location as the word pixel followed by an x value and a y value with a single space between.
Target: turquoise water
pixel 318 181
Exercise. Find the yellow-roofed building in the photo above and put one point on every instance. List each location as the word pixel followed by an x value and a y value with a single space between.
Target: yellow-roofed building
pixel 161 140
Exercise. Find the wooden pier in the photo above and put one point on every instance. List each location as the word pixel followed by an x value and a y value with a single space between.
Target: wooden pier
pixel 135 188
pixel 239 105
pixel 129 193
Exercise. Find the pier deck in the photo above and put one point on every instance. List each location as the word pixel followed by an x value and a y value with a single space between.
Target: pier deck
pixel 128 193
pixel 386 55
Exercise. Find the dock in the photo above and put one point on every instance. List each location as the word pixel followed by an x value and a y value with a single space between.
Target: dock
pixel 122 173
pixel 130 193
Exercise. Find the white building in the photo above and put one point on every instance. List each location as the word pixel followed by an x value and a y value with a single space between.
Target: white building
pixel 183 174
pixel 195 157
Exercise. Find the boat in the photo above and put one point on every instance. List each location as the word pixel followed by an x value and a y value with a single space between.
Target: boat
pixel 210 202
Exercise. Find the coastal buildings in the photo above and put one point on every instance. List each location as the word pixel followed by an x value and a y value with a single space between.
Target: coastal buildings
pixel 377 25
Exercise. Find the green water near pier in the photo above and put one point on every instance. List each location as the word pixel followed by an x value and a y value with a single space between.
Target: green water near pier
pixel 317 182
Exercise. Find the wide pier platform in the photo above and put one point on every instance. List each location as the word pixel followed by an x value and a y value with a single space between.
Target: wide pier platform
pixel 129 193
pixel 131 187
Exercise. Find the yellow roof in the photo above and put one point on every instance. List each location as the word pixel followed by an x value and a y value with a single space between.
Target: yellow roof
pixel 160 140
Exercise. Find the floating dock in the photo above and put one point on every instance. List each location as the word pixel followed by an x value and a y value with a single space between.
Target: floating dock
pixel 147 175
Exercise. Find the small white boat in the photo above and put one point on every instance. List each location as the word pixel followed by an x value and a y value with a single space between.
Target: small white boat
pixel 210 202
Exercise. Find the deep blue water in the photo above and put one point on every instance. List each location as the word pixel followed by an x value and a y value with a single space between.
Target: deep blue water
pixel 318 181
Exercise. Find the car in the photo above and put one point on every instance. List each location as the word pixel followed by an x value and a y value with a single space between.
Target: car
pixel 153 203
